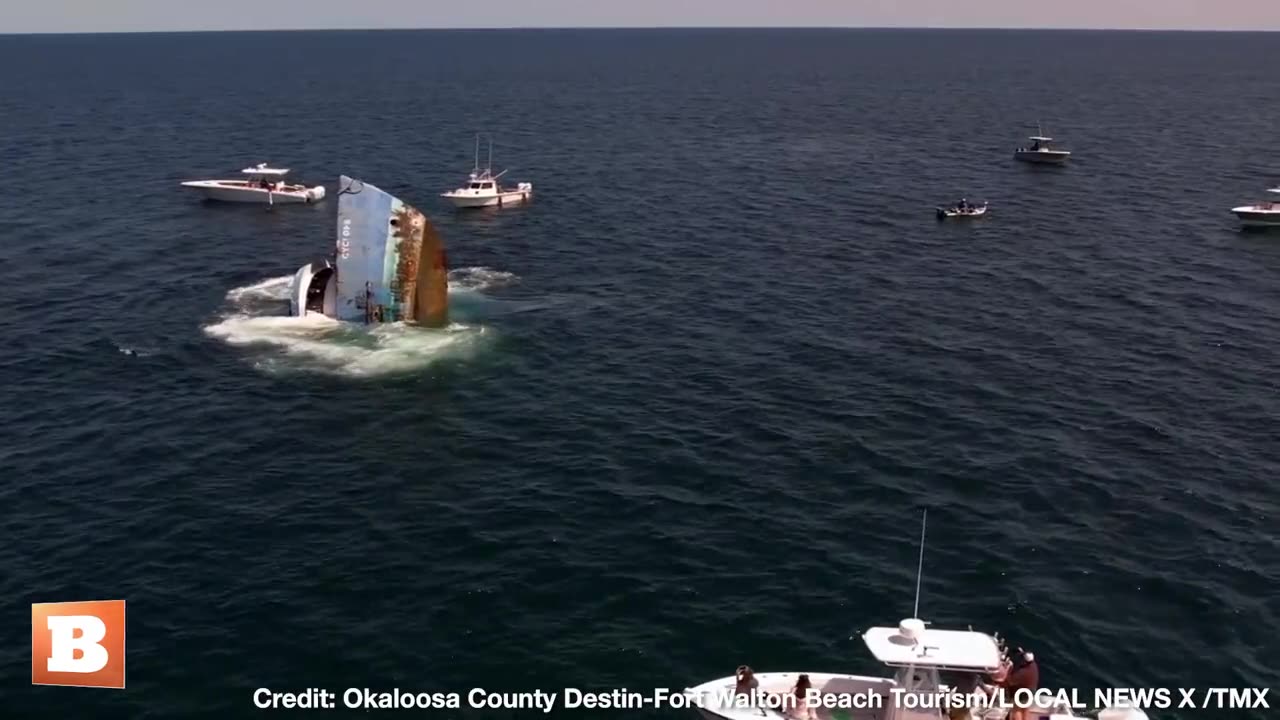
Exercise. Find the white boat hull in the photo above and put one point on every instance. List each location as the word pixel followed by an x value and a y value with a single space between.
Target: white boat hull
pixel 1255 217
pixel 479 199
pixel 947 213
pixel 1042 157
pixel 221 192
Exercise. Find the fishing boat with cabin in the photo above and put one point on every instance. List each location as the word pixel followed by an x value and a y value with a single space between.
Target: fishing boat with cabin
pixel 484 189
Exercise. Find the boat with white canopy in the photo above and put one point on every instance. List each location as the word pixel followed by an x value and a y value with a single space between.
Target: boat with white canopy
pixel 919 657
pixel 261 184
pixel 484 189
pixel 1265 214
pixel 1040 151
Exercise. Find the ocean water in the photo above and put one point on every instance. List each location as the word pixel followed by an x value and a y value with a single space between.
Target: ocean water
pixel 693 399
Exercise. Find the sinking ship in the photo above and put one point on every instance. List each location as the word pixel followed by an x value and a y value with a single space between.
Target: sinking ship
pixel 388 264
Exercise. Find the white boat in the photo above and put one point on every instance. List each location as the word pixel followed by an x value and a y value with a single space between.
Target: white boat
pixel 262 184
pixel 1039 151
pixel 919 656
pixel 484 189
pixel 1262 215
pixel 963 209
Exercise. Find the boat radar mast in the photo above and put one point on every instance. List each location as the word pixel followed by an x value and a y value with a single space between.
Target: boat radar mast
pixel 476 172
pixel 913 628
pixel 924 522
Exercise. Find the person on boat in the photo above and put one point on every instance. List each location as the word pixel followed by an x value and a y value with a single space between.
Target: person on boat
pixel 747 683
pixel 963 205
pixel 1023 676
pixel 799 706
pixel 1035 145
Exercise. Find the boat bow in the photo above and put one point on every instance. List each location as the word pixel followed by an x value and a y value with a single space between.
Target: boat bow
pixel 389 263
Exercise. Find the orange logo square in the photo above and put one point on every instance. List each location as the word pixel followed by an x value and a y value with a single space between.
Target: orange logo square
pixel 80 644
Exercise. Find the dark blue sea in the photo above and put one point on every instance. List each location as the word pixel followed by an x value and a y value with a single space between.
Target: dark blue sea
pixel 694 398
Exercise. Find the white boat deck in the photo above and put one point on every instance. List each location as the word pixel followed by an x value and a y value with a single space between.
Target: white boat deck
pixel 779 689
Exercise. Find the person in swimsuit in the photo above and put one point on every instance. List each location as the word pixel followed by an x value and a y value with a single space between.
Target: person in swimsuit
pixel 747 683
pixel 800 708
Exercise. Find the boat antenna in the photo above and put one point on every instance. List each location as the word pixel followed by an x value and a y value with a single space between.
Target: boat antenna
pixel 475 165
pixel 490 168
pixel 920 568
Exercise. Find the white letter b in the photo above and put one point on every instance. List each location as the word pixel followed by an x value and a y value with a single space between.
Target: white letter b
pixel 65 643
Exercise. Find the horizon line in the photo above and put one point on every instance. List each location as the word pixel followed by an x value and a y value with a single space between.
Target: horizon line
pixel 477 28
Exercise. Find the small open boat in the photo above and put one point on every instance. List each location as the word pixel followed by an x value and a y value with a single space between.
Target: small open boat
pixel 962 209
pixel 262 184
pixel 1261 215
pixel 1040 151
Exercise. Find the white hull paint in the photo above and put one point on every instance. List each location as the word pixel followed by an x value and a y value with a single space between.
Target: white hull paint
pixel 214 190
pixel 502 199
pixel 1042 157
pixel 1258 216
pixel 946 213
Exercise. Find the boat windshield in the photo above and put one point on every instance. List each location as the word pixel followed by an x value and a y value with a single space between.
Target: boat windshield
pixel 481 186
pixel 962 682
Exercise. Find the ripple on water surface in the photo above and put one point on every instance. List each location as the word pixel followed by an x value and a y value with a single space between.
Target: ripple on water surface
pixel 280 343
pixel 693 396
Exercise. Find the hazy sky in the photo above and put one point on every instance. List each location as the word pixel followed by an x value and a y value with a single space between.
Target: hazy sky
pixel 124 15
